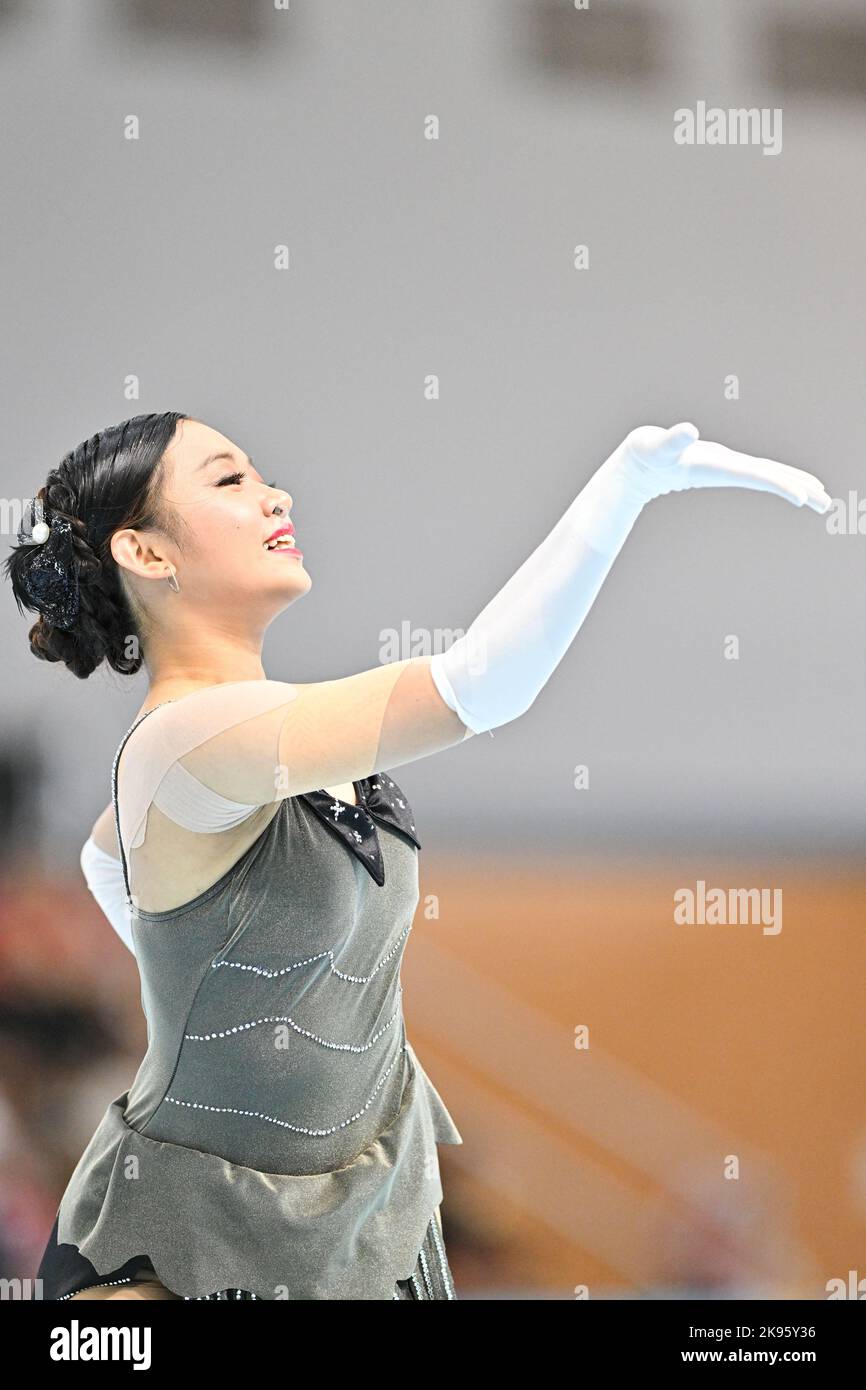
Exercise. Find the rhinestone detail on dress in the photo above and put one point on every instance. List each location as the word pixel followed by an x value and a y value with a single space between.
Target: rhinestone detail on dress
pixel 284 1124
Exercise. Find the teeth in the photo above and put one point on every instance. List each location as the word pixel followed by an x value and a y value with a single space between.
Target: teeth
pixel 284 542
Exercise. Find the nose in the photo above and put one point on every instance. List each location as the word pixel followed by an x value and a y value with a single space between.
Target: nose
pixel 282 499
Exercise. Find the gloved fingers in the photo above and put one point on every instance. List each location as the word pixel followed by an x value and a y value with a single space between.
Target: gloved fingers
pixel 817 496
pixel 713 465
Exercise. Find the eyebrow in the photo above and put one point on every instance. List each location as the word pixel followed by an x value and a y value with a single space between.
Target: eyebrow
pixel 214 458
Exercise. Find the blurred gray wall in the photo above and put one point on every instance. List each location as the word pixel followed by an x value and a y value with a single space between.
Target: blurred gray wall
pixel 154 259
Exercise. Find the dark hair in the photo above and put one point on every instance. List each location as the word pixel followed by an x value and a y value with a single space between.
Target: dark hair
pixel 109 482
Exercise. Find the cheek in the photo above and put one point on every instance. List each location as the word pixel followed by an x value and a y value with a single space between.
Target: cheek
pixel 226 544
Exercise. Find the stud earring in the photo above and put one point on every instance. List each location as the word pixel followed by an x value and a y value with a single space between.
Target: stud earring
pixel 173 584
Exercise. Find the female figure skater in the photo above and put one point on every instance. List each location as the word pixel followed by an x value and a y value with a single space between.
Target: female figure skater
pixel 279 1138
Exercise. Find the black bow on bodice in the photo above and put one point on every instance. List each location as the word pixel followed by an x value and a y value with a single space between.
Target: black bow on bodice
pixel 379 799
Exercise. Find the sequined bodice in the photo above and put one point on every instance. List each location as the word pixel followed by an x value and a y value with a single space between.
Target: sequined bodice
pixel 273 1000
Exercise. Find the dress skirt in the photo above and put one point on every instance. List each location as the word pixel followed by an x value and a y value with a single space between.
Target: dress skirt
pixel 64 1271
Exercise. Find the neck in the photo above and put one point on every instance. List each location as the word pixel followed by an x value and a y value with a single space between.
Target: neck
pixel 214 660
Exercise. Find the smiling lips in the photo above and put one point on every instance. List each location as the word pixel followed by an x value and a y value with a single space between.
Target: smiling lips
pixel 282 542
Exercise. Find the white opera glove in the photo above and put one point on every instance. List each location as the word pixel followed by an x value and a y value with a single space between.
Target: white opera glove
pixel 103 874
pixel 493 673
pixel 652 461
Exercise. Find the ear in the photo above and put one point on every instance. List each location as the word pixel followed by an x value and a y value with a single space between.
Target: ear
pixel 136 555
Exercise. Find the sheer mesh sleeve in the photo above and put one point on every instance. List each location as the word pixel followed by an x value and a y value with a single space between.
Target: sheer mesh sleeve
pixel 188 802
pixel 222 752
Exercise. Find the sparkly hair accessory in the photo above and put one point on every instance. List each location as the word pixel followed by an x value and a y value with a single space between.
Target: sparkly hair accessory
pixel 50 582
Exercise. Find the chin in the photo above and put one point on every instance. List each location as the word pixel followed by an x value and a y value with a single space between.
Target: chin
pixel 296 585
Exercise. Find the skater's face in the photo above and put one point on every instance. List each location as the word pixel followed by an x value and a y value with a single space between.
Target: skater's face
pixel 226 514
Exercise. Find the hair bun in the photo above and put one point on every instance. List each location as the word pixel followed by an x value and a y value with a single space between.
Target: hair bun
pixel 87 611
pixel 49 579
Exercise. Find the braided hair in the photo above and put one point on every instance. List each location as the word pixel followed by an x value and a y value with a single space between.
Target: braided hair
pixel 110 482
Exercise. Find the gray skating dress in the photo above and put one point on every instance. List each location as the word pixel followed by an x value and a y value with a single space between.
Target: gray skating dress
pixel 280 1136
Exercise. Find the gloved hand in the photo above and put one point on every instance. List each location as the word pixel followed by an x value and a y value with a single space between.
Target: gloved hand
pixel 494 671
pixel 652 461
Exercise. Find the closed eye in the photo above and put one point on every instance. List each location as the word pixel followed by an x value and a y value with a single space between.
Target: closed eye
pixel 237 478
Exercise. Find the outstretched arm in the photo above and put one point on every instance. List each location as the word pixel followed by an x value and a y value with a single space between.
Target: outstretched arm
pixel 494 672
pixel 289 739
